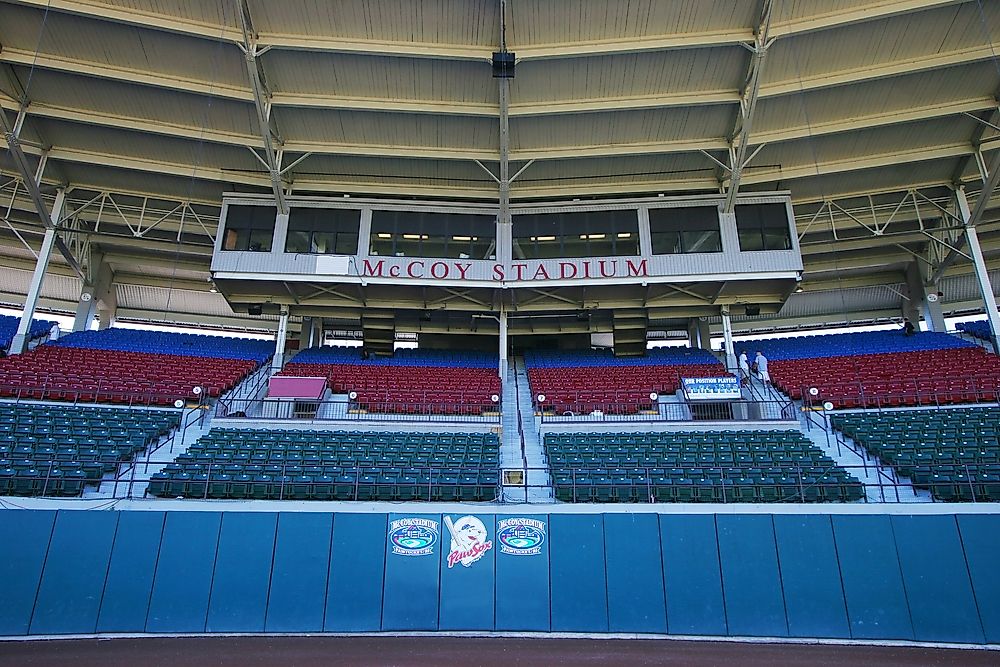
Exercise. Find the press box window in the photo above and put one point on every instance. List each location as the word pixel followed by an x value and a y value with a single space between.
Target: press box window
pixel 675 231
pixel 576 234
pixel 323 231
pixel 763 227
pixel 435 235
pixel 249 228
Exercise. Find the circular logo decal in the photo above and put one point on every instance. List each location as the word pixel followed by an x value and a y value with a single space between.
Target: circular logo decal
pixel 521 537
pixel 413 537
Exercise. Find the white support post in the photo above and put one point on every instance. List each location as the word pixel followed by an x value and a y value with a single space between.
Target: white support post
pixel 279 341
pixel 503 346
pixel 727 333
pixel 982 274
pixel 704 334
pixel 23 335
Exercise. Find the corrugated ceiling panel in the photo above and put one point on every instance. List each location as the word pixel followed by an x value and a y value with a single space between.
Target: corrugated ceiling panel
pixel 387 129
pixel 172 300
pixel 863 45
pixel 62 288
pixel 893 177
pixel 348 75
pixel 106 43
pixel 210 12
pixel 630 75
pixel 534 22
pixel 114 98
pixel 883 96
pixel 842 302
pixel 130 143
pixel 652 125
pixel 872 142
pixel 473 22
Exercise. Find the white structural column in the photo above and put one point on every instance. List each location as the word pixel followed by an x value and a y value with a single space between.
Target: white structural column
pixel 502 320
pixel 979 264
pixel 23 335
pixel 727 333
pixel 279 341
pixel 923 299
pixel 97 295
pixel 704 334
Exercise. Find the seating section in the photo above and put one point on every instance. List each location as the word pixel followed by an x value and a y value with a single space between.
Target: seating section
pixel 130 367
pixel 334 465
pixel 702 466
pixel 978 328
pixel 954 452
pixel 411 381
pixel 8 327
pixel 584 381
pixel 55 450
pixel 882 368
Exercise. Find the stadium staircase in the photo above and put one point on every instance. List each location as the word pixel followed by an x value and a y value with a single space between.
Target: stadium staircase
pixel 520 426
pixel 132 480
pixel 879 486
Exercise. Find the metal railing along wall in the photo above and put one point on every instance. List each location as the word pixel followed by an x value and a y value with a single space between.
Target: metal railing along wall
pixel 686 484
pixel 692 411
pixel 339 409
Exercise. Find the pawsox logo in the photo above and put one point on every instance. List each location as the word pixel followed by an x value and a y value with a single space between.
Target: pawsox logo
pixel 520 536
pixel 468 540
pixel 413 537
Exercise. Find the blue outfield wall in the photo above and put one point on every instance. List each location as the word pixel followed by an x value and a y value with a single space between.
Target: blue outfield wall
pixel 931 578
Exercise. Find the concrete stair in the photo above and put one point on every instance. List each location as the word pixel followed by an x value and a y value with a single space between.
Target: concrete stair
pixel 519 421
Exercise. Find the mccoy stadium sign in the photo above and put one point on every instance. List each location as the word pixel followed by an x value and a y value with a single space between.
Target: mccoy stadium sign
pixel 422 269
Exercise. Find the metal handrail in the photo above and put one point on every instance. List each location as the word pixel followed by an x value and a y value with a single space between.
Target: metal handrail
pixel 718 484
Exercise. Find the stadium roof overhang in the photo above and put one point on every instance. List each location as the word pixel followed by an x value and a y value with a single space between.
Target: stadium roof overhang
pixel 869 113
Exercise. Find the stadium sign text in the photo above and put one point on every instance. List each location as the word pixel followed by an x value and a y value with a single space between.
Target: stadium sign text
pixel 517 271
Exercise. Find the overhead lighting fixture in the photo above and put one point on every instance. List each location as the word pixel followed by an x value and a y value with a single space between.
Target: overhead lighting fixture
pixel 543 238
pixel 624 235
pixel 461 238
pixel 415 237
pixel 384 236
pixel 798 289
pixel 592 237
pixel 213 290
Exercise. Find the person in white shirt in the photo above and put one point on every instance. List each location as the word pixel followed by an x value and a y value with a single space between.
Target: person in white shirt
pixel 744 364
pixel 761 362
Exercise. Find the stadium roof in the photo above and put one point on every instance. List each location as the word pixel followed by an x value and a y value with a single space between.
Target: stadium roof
pixel 867 112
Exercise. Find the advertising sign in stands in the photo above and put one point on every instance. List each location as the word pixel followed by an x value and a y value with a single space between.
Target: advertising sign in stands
pixel 711 389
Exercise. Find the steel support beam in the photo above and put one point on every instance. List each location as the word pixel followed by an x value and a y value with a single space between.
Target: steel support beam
pixel 979 264
pixel 748 105
pixel 262 103
pixel 989 185
pixel 31 182
pixel 23 335
pixel 279 341
pixel 727 334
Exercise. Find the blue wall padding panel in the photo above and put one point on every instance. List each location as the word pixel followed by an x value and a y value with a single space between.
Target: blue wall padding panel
pixel 242 572
pixel 184 572
pixel 755 605
pixel 130 573
pixel 579 586
pixel 929 577
pixel 873 585
pixel 635 573
pixel 467 592
pixel 410 600
pixel 691 575
pixel 936 577
pixel 69 597
pixel 810 575
pixel 356 572
pixel 299 571
pixel 27 535
pixel 522 576
pixel 980 534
